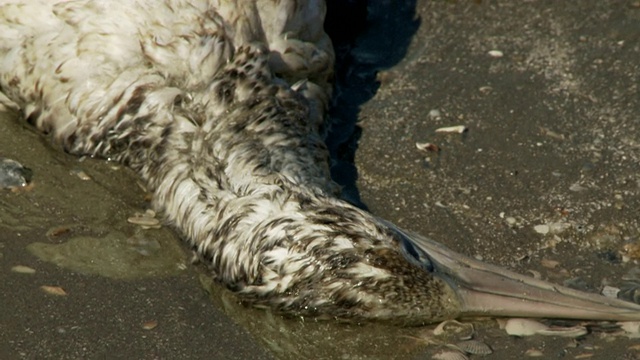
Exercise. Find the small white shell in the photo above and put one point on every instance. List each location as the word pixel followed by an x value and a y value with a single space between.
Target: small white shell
pixel 529 327
pixel 450 355
pixel 143 221
pixel 534 353
pixel 434 114
pixel 150 325
pixel 453 327
pixel 81 174
pixel 452 129
pixel 427 146
pixel 53 290
pixel 632 328
pixel 474 347
pixel 541 229
pixel 569 332
pixel 610 292
pixel 523 327
pixel 22 269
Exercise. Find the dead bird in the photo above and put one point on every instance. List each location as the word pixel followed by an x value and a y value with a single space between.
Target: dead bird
pixel 219 106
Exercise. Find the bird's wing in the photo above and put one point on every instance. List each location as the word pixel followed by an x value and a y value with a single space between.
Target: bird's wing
pixel 74 66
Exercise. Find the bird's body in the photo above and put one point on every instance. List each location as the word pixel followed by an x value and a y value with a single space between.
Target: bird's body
pixel 219 106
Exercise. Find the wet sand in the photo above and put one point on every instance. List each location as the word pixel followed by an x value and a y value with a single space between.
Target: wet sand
pixel 552 141
pixel 547 177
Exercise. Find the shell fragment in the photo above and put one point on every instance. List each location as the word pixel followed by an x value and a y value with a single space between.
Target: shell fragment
pixel 452 129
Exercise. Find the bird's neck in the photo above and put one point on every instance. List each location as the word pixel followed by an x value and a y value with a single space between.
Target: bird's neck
pixel 231 182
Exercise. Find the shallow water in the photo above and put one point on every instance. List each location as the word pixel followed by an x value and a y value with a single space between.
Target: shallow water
pixel 118 278
pixel 115 255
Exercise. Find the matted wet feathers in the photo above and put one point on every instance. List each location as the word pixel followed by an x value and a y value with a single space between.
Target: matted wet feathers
pixel 220 107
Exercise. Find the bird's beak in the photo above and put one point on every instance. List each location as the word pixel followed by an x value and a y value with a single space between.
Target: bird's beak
pixel 488 290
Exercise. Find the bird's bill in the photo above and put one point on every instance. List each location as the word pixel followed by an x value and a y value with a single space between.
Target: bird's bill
pixel 488 290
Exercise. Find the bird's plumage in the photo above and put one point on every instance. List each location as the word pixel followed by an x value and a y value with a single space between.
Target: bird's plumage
pixel 220 106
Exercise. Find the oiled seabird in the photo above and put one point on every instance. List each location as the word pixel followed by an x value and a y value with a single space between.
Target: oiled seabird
pixel 219 106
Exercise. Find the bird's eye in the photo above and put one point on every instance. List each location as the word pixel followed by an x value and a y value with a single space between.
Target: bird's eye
pixel 414 254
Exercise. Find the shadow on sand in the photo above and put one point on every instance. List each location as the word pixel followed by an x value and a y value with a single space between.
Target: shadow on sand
pixel 367 38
